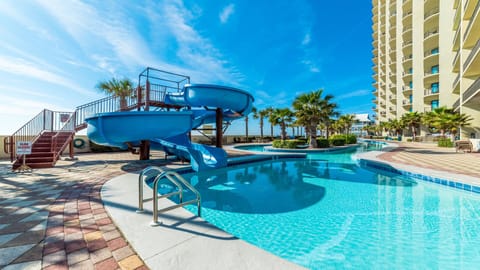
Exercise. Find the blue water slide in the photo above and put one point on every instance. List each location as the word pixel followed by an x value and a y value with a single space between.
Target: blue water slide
pixel 169 129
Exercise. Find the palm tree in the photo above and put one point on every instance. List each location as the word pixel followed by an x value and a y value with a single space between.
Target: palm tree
pixel 261 114
pixel 118 88
pixel 269 112
pixel 413 121
pixel 347 121
pixel 395 125
pixel 310 110
pixel 282 117
pixel 329 111
pixel 445 119
pixel 254 110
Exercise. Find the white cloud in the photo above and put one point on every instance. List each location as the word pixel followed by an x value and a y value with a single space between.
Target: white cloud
pixel 24 68
pixel 226 13
pixel 357 93
pixel 279 99
pixel 311 66
pixel 306 39
pixel 197 52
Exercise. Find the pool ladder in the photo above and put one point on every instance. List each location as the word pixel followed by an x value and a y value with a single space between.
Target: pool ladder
pixel 175 179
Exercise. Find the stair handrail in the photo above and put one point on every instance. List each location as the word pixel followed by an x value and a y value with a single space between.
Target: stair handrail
pixel 30 131
pixel 68 127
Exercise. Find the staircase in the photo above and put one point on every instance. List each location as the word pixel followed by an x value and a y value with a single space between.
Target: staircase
pixel 46 150
pixel 50 132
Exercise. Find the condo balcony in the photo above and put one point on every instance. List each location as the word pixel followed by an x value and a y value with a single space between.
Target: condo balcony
pixel 456 85
pixel 430 94
pixel 430 4
pixel 456 63
pixel 407 17
pixel 406 90
pixel 406 103
pixel 469 9
pixel 431 18
pixel 456 105
pixel 471 97
pixel 430 77
pixel 473 28
pixel 456 40
pixel 471 67
pixel 392 109
pixel 407 33
pixel 407 47
pixel 456 18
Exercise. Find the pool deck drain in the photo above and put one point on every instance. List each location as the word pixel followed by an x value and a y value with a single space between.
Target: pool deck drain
pixel 57 218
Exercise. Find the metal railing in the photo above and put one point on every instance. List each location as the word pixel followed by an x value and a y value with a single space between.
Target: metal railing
pixel 474 88
pixel 46 120
pixel 175 179
pixel 473 52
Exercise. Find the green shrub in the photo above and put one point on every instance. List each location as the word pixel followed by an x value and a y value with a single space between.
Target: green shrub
pixel 337 141
pixel 444 142
pixel 97 148
pixel 277 143
pixel 323 143
pixel 289 144
pixel 409 140
pixel 350 139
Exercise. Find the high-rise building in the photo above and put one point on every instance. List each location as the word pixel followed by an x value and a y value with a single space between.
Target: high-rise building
pixel 426 54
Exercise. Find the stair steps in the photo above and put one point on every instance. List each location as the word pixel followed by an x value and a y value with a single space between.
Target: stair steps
pixel 42 155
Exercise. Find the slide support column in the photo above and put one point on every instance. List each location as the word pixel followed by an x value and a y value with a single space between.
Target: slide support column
pixel 219 127
pixel 144 150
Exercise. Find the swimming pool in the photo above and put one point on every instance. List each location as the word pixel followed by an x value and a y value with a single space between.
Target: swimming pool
pixel 326 212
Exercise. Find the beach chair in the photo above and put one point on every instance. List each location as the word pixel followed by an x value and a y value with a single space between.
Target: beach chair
pixel 463 145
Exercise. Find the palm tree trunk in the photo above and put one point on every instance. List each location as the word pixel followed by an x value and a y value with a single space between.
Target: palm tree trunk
pixel 313 136
pixel 261 127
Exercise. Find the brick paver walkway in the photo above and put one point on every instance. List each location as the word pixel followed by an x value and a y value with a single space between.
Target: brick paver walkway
pixel 55 219
pixel 432 157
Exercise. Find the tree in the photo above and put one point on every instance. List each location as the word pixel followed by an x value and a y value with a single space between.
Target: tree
pixel 119 88
pixel 254 110
pixel 395 125
pixel 261 114
pixel 445 119
pixel 282 117
pixel 310 110
pixel 347 121
pixel 412 120
pixel 269 112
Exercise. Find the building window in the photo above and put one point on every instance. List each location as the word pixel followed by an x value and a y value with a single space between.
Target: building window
pixel 410 98
pixel 434 69
pixel 410 83
pixel 434 51
pixel 411 109
pixel 434 87
pixel 410 70
pixel 434 104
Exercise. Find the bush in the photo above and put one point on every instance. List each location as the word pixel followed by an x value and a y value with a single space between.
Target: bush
pixel 97 148
pixel 289 144
pixel 337 141
pixel 323 143
pixel 445 142
pixel 350 139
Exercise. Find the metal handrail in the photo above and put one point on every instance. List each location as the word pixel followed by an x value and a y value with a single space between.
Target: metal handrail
pixel 174 178
pixel 170 176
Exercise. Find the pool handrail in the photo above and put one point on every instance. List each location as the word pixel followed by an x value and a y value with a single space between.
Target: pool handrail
pixel 174 178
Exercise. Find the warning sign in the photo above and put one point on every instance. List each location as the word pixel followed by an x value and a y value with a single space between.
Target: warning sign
pixel 24 148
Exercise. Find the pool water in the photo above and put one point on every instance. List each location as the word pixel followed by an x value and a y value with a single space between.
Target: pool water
pixel 326 212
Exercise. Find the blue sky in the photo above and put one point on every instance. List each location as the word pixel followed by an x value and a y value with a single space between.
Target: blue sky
pixel 53 53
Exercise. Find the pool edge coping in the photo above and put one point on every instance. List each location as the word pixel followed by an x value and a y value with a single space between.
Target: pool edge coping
pixel 449 179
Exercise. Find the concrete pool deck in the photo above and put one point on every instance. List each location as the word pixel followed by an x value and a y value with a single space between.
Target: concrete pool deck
pixel 58 218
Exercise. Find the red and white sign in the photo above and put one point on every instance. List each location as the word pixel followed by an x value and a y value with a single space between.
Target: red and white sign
pixel 24 148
